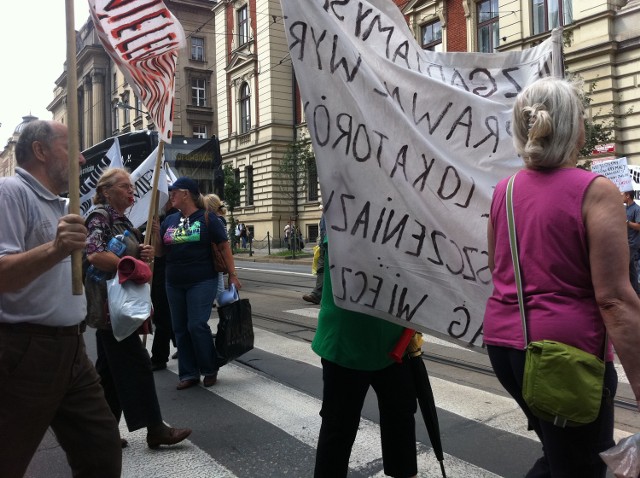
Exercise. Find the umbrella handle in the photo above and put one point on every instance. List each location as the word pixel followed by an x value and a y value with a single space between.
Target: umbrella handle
pixel 398 351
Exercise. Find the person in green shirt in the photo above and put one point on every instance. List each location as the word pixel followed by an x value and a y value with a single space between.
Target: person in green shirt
pixel 355 348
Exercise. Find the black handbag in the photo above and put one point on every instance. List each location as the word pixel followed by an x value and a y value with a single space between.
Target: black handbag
pixel 235 331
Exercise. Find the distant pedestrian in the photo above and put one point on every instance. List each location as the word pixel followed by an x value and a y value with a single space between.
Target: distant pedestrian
pixel 213 204
pixel 633 237
pixel 243 234
pixel 46 378
pixel 287 235
pixel 315 296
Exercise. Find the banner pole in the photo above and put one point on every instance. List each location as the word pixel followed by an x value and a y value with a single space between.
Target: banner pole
pixel 73 141
pixel 153 207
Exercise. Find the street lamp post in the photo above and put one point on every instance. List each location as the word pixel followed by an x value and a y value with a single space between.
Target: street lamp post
pixel 126 106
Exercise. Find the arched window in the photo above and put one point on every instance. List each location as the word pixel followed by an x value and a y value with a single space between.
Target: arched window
pixel 245 108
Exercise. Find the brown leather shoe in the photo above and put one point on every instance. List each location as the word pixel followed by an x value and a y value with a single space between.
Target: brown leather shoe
pixel 210 380
pixel 182 384
pixel 311 298
pixel 168 436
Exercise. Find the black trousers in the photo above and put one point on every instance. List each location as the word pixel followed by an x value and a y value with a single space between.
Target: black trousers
pixel 163 333
pixel 342 400
pixel 49 381
pixel 568 452
pixel 127 379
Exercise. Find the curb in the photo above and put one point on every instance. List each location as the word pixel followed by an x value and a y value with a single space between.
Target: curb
pixel 273 259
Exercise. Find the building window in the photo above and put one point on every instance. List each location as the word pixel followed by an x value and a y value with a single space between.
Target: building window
pixel 245 108
pixel 114 86
pixel 312 233
pixel 197 49
pixel 431 35
pixel 200 131
pixel 248 174
pixel 488 29
pixel 138 104
pixel 115 118
pixel 549 14
pixel 126 108
pixel 312 180
pixel 243 26
pixel 198 92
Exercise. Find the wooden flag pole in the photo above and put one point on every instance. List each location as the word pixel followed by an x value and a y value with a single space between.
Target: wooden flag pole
pixel 153 207
pixel 74 142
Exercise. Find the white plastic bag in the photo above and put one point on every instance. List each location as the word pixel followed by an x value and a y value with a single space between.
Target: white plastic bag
pixel 129 306
pixel 624 458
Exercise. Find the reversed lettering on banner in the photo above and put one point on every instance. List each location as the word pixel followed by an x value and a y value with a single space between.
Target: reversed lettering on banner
pixel 409 145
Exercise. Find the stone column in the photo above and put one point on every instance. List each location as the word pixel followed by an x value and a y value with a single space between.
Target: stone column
pixel 87 119
pixel 98 100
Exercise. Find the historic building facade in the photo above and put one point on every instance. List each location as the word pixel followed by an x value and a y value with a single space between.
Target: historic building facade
pixel 7 155
pixel 602 46
pixel 259 113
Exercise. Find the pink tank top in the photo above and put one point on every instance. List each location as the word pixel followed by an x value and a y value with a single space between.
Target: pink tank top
pixel 559 297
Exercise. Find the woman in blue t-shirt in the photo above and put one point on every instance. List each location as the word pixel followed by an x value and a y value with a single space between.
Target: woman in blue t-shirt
pixel 191 281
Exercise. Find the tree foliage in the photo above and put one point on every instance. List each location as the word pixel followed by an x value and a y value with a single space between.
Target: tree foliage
pixel 232 190
pixel 599 128
pixel 294 170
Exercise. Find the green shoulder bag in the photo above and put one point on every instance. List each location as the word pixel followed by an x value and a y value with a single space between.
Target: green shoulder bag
pixel 561 384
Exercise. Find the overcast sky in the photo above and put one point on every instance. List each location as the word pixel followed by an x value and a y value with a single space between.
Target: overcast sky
pixel 34 49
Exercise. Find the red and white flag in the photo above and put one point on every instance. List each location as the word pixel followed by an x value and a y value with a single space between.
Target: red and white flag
pixel 143 38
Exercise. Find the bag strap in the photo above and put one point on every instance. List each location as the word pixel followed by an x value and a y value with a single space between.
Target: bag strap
pixel 516 266
pixel 514 257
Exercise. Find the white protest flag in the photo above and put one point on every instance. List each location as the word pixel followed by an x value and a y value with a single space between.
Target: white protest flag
pixel 113 159
pixel 409 145
pixel 142 179
pixel 143 39
pixel 171 176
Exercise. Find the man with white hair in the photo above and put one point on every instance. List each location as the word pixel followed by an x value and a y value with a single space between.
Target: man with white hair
pixel 46 378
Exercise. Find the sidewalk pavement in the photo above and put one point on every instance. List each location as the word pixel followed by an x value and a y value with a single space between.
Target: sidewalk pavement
pixel 262 255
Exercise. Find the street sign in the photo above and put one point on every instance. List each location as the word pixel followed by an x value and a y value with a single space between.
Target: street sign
pixel 604 148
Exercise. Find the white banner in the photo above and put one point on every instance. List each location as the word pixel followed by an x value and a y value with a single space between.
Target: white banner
pixel 113 159
pixel 409 145
pixel 142 179
pixel 143 39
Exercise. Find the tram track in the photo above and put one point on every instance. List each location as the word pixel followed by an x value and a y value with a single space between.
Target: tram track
pixel 443 360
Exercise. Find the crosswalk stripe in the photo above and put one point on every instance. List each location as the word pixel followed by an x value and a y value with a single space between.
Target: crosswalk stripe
pixel 296 413
pixel 496 411
pixel 185 459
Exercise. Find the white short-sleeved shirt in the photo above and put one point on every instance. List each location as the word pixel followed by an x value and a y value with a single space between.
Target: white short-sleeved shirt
pixel 29 218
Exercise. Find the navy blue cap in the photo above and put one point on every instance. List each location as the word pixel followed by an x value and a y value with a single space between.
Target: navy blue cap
pixel 185 183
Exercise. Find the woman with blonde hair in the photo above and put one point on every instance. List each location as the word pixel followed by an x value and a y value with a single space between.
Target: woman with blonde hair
pixel 573 254
pixel 214 204
pixel 124 366
pixel 191 281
